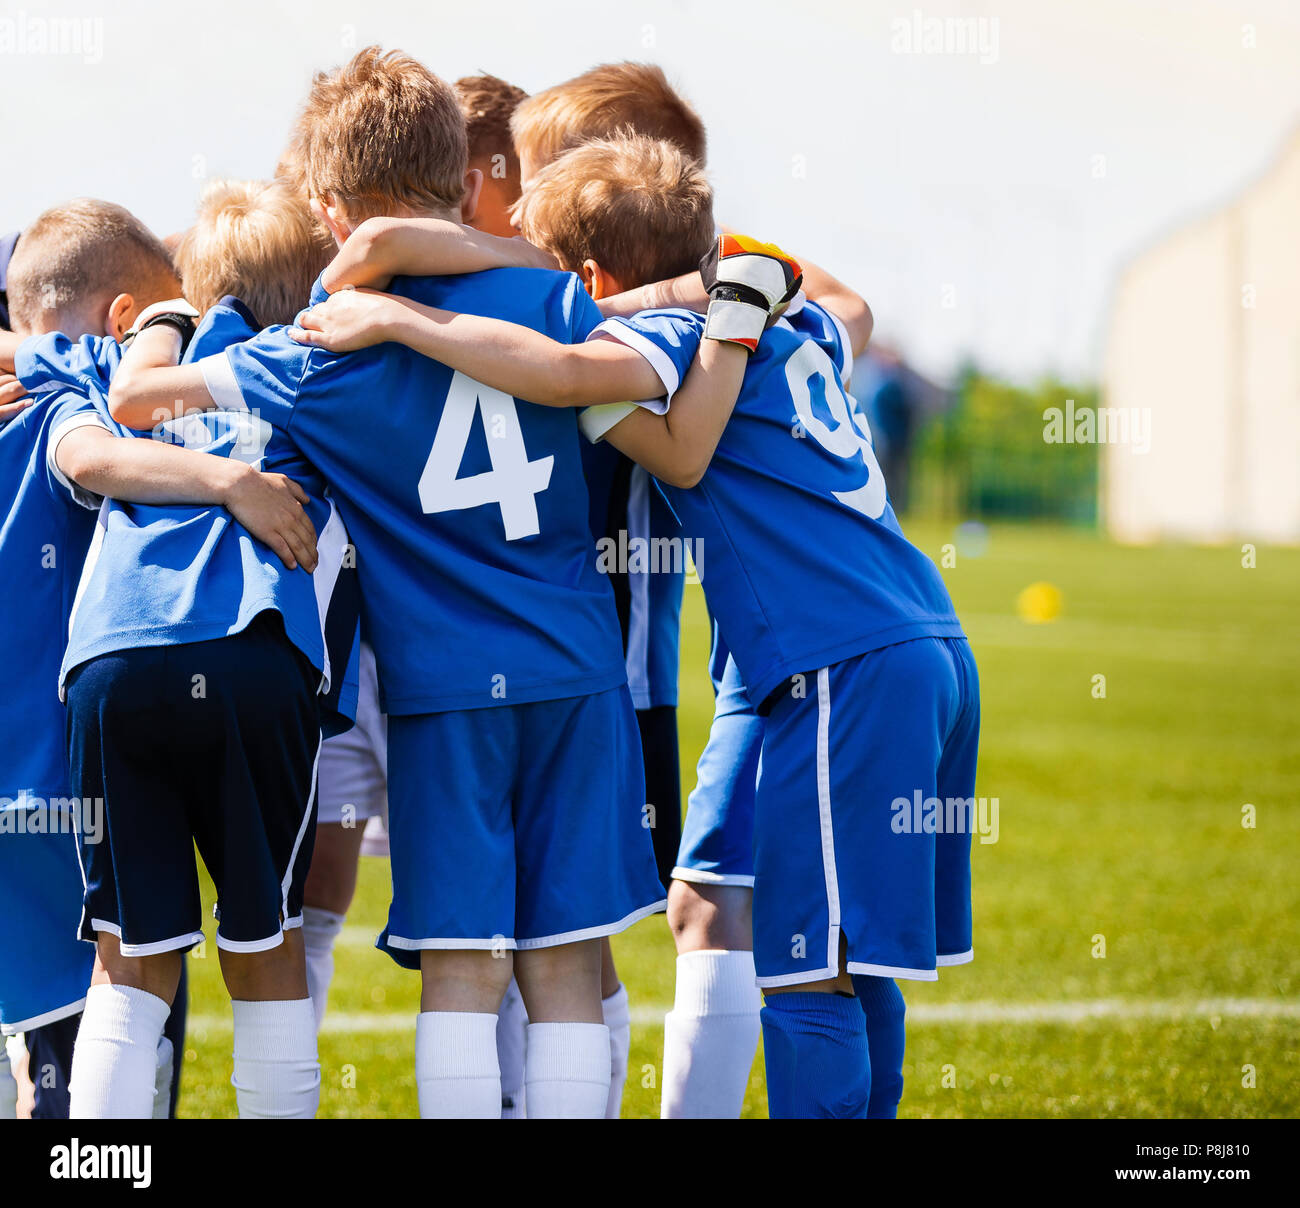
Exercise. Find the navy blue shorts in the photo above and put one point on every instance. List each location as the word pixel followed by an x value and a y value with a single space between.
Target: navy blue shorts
pixel 207 744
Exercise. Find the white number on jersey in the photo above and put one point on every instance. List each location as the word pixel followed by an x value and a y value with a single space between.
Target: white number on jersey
pixel 846 439
pixel 513 482
pixel 239 435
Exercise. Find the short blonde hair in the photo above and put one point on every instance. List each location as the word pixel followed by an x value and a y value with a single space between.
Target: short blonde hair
pixel 611 98
pixel 383 133
pixel 291 167
pixel 83 253
pixel 257 240
pixel 488 102
pixel 640 207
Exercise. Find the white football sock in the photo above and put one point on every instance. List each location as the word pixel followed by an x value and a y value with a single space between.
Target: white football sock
pixel 115 1059
pixel 618 1019
pixel 165 1058
pixel 276 1068
pixel 8 1086
pixel 567 1069
pixel 710 1036
pixel 512 1024
pixel 320 928
pixel 456 1070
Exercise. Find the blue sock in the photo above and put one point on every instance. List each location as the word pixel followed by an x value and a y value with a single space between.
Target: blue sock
pixel 882 1004
pixel 815 1052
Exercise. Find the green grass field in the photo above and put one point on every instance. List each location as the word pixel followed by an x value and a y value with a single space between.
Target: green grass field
pixel 1120 817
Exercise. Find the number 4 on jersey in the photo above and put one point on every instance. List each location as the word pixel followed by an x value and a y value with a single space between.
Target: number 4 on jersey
pixel 513 482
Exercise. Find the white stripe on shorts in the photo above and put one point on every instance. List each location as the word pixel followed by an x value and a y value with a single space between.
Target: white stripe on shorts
pixel 297 843
pixel 824 816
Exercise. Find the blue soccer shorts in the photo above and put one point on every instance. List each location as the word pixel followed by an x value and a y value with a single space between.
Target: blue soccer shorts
pixel 717 845
pixel 864 814
pixel 520 826
pixel 44 969
pixel 208 744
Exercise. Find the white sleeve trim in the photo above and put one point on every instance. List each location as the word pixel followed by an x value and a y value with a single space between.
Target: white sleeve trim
pixel 659 360
pixel 84 419
pixel 797 304
pixel 596 422
pixel 219 378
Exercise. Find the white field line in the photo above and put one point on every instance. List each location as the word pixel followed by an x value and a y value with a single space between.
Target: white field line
pixel 1067 1011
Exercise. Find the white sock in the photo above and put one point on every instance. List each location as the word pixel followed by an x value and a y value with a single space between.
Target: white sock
pixel 512 1025
pixel 276 1069
pixel 116 1055
pixel 8 1086
pixel 165 1059
pixel 456 1070
pixel 618 1019
pixel 320 928
pixel 710 1036
pixel 567 1069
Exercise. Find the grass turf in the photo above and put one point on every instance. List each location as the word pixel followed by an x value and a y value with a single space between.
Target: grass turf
pixel 1120 817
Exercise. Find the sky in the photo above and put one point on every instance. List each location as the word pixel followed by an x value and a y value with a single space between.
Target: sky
pixel 982 194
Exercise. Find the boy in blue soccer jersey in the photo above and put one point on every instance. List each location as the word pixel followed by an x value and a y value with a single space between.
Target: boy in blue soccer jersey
pixel 352 795
pixel 842 633
pixel 610 99
pixel 627 513
pixel 515 792
pixel 11 389
pixel 191 676
pixel 86 266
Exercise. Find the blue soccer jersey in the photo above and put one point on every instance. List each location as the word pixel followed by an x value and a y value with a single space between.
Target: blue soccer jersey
pixel 469 508
pixel 46 524
pixel 167 575
pixel 801 558
pixel 45 529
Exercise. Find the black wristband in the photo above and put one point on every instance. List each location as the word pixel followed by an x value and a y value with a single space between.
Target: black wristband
pixel 184 324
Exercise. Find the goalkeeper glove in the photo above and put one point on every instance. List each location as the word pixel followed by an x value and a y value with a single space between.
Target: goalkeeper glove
pixel 749 283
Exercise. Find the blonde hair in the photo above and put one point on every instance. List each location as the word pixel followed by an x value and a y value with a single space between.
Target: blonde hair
pixel 291 167
pixel 488 102
pixel 84 253
pixel 257 240
pixel 609 98
pixel 382 133
pixel 640 207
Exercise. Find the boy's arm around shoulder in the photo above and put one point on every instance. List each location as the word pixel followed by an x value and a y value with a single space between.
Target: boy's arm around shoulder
pixel 150 388
pixel 506 356
pixel 678 445
pixel 849 307
pixel 87 456
pixel 383 248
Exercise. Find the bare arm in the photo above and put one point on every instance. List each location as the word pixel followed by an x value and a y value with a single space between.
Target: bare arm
pixel 678 446
pixel 847 306
pixel 383 248
pixel 270 506
pixel 149 388
pixel 675 447
pixel 686 292
pixel 13 397
pixel 9 341
pixel 506 356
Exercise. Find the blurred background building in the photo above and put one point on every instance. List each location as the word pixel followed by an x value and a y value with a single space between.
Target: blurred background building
pixel 1205 336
